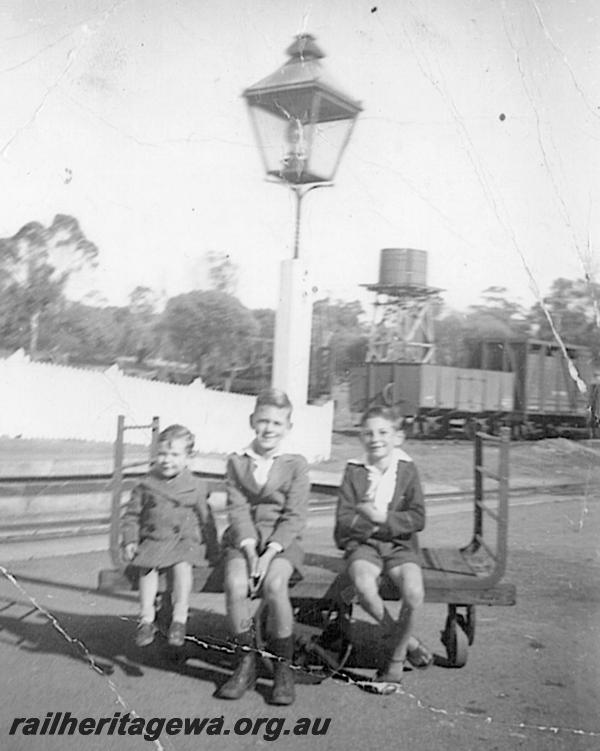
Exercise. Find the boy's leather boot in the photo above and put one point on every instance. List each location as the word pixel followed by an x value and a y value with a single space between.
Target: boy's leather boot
pixel 244 675
pixel 283 675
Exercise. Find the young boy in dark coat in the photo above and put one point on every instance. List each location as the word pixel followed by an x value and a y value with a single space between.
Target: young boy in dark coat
pixel 267 496
pixel 164 526
pixel 380 511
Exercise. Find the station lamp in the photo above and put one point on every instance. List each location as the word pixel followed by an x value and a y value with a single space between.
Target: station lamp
pixel 302 120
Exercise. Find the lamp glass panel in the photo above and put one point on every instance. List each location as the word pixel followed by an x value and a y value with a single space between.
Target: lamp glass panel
pixel 328 142
pixel 298 151
pixel 271 132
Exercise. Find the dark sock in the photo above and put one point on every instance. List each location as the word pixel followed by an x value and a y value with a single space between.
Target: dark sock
pixel 244 639
pixel 283 647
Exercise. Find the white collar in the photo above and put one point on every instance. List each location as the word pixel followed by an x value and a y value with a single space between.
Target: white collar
pixel 249 451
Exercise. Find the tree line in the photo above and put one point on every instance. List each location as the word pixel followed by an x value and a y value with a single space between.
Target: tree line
pixel 570 308
pixel 210 334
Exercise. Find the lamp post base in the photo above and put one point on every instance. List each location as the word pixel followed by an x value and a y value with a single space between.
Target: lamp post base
pixel 291 353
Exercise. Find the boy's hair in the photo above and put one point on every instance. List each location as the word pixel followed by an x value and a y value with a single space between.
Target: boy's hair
pixel 273 398
pixel 175 433
pixel 385 413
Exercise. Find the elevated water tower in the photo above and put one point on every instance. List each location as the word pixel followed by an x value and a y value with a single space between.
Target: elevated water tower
pixel 403 309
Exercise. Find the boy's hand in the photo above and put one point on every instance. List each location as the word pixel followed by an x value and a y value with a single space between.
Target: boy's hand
pixel 262 566
pixel 370 512
pixel 372 481
pixel 251 561
pixel 249 549
pixel 129 551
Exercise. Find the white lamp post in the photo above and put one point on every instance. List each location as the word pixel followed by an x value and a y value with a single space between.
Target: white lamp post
pixel 302 123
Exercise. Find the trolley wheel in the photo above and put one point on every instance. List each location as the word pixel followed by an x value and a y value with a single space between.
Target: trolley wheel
pixel 467 623
pixel 456 642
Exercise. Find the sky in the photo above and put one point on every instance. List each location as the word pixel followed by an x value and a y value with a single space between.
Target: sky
pixel 479 141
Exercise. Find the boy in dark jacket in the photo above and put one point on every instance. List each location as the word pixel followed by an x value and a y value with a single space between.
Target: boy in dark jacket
pixel 267 496
pixel 380 510
pixel 164 526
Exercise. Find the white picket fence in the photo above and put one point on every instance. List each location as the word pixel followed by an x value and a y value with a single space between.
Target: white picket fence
pixel 40 400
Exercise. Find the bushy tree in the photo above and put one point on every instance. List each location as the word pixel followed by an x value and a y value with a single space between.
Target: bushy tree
pixel 89 334
pixel 211 330
pixel 141 324
pixel 265 319
pixel 338 324
pixel 574 307
pixel 35 266
pixel 497 316
pixel 262 349
pixel 449 334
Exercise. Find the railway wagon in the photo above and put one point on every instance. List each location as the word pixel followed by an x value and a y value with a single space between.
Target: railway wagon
pixel 434 398
pixel 522 383
pixel 547 395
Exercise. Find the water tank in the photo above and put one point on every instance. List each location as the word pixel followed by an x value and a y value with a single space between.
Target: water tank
pixel 403 267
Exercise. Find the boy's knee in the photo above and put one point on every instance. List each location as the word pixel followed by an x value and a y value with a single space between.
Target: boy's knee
pixel 236 586
pixel 274 586
pixel 364 583
pixel 413 594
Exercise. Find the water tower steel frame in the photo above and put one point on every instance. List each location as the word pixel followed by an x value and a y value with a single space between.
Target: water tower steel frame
pixel 402 329
pixel 404 308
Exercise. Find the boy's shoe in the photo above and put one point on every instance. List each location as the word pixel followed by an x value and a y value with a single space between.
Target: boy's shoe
pixel 419 657
pixel 392 673
pixel 283 675
pixel 145 634
pixel 244 677
pixel 176 637
pixel 283 685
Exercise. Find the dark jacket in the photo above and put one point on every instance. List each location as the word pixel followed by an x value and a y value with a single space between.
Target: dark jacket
pixel 277 512
pixel 168 518
pixel 405 516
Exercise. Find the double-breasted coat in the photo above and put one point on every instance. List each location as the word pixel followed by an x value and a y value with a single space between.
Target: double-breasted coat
pixel 170 520
pixel 405 512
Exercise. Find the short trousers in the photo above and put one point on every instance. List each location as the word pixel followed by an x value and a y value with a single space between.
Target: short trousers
pixel 386 555
pixel 293 553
